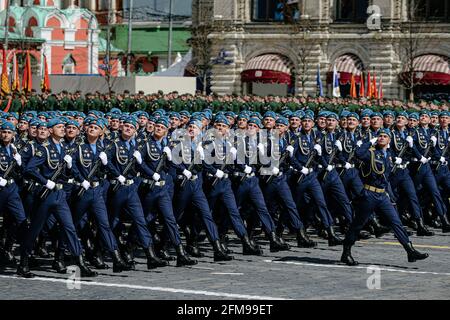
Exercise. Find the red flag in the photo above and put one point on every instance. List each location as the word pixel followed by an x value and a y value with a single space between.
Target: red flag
pixel 375 90
pixel 361 86
pixel 369 86
pixel 45 83
pixel 15 86
pixel 27 81
pixel 353 87
pixel 380 88
pixel 9 105
pixel 5 80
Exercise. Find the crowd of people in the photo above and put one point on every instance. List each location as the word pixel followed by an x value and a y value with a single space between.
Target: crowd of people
pixel 107 175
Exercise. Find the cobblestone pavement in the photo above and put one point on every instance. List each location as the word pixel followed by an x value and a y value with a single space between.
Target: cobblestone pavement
pixel 296 274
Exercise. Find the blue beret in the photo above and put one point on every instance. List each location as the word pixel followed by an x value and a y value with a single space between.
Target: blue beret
pixel 256 114
pixel 54 122
pixel 366 113
pixel 42 114
pixel 255 121
pixel 434 113
pixel 286 113
pixel 73 123
pixel 353 115
pixel 174 115
pixel 332 115
pixel 270 114
pixel 385 131
pixel 185 113
pixel 222 119
pixel 322 113
pixel 116 111
pixel 13 114
pixel 297 114
pixel 243 115
pixel 345 113
pixel 34 122
pixel 425 112
pixel 8 126
pixel 42 124
pixel 444 114
pixel 388 113
pixel 143 114
pixel 403 114
pixel 151 119
pixel 414 115
pixel 376 114
pixel 164 120
pixel 98 122
pixel 230 114
pixel 159 113
pixel 131 120
pixel 195 122
pixel 282 120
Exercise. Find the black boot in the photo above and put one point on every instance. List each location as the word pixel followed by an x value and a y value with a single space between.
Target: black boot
pixel 303 241
pixel 152 259
pixel 248 249
pixel 182 257
pixel 85 271
pixel 422 231
pixel 364 235
pixel 23 269
pixel 95 259
pixel 58 263
pixel 275 244
pixel 161 251
pixel 41 248
pixel 219 253
pixel 379 230
pixel 445 224
pixel 413 254
pixel 118 264
pixel 333 240
pixel 192 244
pixel 6 253
pixel 347 256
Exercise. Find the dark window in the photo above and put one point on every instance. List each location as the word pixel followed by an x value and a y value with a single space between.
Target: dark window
pixel 352 10
pixel 432 10
pixel 275 10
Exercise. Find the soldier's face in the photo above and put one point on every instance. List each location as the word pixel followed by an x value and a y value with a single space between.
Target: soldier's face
pixel 321 122
pixel 307 124
pixel 94 131
pixel 365 122
pixel 389 120
pixel 221 128
pixel 252 129
pixel 32 131
pixel 281 128
pixel 352 123
pixel 174 122
pixel 184 120
pixel 128 131
pixel 434 120
pixel 160 131
pixel 412 123
pixel 424 119
pixel 443 121
pixel 43 133
pixel 115 123
pixel 150 126
pixel 376 122
pixel 401 121
pixel 7 136
pixel 331 123
pixel 143 122
pixel 343 123
pixel 72 131
pixel 242 123
pixel 231 120
pixel 193 130
pixel 23 125
pixel 269 123
pixel 294 122
pixel 383 140
pixel 57 131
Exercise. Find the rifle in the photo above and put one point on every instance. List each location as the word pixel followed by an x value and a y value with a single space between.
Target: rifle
pixel 307 165
pixel 128 167
pixel 425 154
pixel 442 155
pixel 61 167
pixel 161 163
pixel 400 154
pixel 95 168
pixel 332 156
pixel 185 179
pixel 283 158
pixel 11 167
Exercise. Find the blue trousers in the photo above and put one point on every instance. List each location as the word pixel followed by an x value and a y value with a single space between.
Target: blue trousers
pixel 10 200
pixel 352 183
pixel 278 190
pixel 333 187
pixel 55 203
pixel 159 199
pixel 223 191
pixel 92 202
pixel 425 179
pixel 250 189
pixel 404 191
pixel 126 199
pixel 193 193
pixel 309 189
pixel 365 206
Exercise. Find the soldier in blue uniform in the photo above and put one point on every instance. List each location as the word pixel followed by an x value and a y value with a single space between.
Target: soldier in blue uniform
pixel 377 164
pixel 41 168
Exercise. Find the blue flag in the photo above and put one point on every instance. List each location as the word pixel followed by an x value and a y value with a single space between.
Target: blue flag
pixel 319 82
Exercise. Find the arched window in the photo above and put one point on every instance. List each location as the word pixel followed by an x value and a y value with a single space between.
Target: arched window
pixel 432 10
pixel 352 10
pixel 68 65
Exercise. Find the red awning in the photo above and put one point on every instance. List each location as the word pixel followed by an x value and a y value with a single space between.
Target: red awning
pixel 428 69
pixel 268 68
pixel 346 65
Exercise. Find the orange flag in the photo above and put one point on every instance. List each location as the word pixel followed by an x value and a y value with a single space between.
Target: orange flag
pixel 353 87
pixel 369 86
pixel 45 83
pixel 8 105
pixel 361 86
pixel 27 81
pixel 15 86
pixel 5 80
pixel 375 90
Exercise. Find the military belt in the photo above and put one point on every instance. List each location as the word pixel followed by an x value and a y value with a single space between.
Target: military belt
pixel 160 183
pixel 126 183
pixel 243 174
pixel 9 182
pixel 93 184
pixel 374 189
pixel 225 176
pixel 194 177
pixel 59 186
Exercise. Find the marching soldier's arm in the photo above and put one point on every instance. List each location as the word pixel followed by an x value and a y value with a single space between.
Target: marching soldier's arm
pixel 32 168
pixel 144 167
pixel 75 169
pixel 112 168
pixel 294 160
pixel 362 152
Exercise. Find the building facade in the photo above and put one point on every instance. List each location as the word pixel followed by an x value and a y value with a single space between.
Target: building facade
pixel 280 45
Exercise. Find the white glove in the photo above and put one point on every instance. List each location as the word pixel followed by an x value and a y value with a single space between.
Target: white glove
pixel 373 140
pixel 442 160
pixel 329 167
pixel 50 185
pixel 305 171
pixel 248 169
pixel 138 156
pixel 219 174
pixel 260 148
pixel 290 149
pixel 338 145
pixel 68 160
pixel 103 157
pixel 201 152
pixel 3 182
pixel 85 184
pixel 156 176
pixel 168 152
pixel 18 159
pixel 311 170
pixel 359 143
pixel 423 160
pixel 434 140
pixel 187 173
pixel 398 160
pixel 448 139
pixel 318 148
pixel 347 166
pixel 233 151
pixel 121 179
pixel 275 171
pixel 410 141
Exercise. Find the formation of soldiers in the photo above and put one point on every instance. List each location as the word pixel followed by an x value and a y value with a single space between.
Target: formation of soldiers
pixel 99 184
